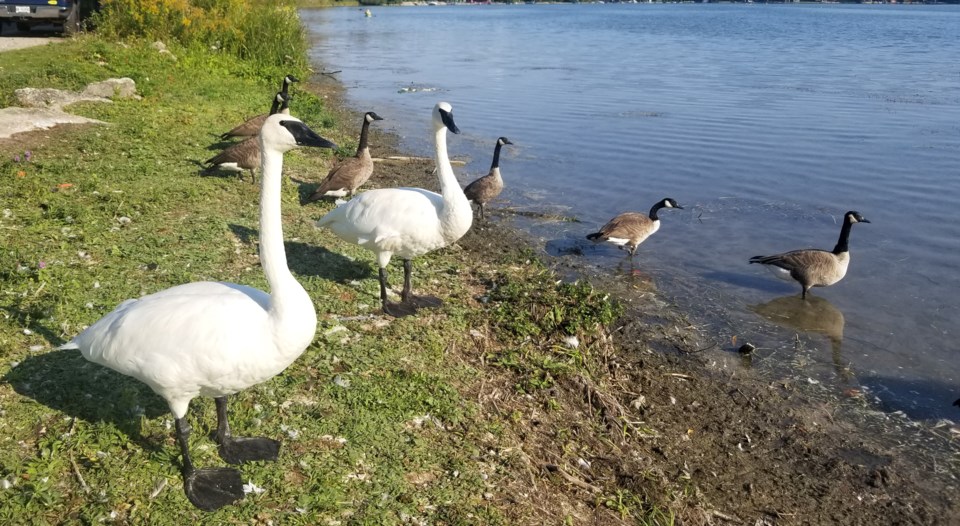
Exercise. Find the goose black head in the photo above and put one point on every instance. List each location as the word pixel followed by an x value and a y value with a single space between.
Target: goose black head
pixel 371 116
pixel 670 203
pixel 290 79
pixel 444 111
pixel 503 140
pixel 854 217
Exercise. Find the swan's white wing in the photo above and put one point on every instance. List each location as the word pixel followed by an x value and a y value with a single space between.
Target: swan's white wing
pixel 382 219
pixel 188 336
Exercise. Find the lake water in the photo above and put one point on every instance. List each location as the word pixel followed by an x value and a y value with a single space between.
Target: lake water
pixel 765 122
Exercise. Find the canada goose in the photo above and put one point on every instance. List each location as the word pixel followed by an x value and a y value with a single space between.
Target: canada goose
pixel 352 172
pixel 813 267
pixel 245 155
pixel 251 127
pixel 629 229
pixel 216 339
pixel 407 222
pixel 488 187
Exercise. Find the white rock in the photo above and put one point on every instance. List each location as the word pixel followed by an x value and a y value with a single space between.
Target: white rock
pixel 122 88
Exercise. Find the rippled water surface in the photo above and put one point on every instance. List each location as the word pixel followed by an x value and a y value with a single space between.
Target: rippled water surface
pixel 766 123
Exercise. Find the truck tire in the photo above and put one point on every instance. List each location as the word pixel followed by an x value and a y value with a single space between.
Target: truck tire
pixel 71 25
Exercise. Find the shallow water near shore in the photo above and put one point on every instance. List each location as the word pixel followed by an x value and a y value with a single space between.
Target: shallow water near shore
pixel 766 123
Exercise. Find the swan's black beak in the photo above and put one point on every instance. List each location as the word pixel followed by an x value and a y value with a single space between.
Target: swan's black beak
pixel 447 118
pixel 305 136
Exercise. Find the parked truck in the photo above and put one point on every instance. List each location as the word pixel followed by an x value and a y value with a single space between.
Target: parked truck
pixel 28 13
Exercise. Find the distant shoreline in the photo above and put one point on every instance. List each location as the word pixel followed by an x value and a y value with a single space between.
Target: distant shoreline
pixel 309 4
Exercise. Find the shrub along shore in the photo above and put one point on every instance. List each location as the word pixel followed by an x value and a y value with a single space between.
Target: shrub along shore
pixel 526 399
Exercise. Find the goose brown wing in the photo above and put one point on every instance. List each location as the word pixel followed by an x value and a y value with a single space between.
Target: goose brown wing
pixel 796 260
pixel 248 128
pixel 628 225
pixel 341 177
pixel 483 189
pixel 246 154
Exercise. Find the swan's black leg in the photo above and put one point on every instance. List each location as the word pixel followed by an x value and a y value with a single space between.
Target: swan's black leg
pixel 208 489
pixel 407 272
pixel 407 297
pixel 237 450
pixel 383 287
pixel 397 310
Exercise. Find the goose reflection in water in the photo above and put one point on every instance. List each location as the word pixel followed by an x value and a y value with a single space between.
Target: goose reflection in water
pixel 812 315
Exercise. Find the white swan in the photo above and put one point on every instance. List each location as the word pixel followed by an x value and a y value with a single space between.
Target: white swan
pixel 407 222
pixel 215 339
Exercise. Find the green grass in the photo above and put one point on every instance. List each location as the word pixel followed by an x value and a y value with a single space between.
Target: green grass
pixel 138 218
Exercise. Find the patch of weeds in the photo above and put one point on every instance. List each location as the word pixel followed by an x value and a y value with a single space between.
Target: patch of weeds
pixel 627 504
pixel 537 305
pixel 550 326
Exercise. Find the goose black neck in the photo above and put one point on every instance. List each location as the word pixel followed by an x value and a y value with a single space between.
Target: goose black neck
pixel 364 133
pixel 496 156
pixel 653 211
pixel 275 107
pixel 842 243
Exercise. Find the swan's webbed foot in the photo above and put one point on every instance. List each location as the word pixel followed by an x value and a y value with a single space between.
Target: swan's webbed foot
pixel 424 302
pixel 237 450
pixel 213 488
pixel 399 310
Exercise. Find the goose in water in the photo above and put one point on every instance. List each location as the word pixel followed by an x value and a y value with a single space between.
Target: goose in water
pixel 352 172
pixel 251 127
pixel 407 222
pixel 245 155
pixel 488 187
pixel 215 339
pixel 629 229
pixel 814 267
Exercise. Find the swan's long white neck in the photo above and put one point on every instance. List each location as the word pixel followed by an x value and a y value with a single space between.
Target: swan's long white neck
pixel 456 215
pixel 289 302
